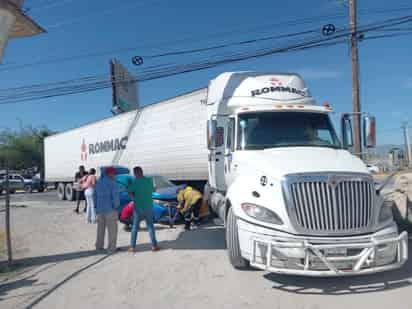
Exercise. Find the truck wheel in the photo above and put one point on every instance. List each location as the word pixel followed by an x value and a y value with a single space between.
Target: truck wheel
pixel 61 191
pixel 28 189
pixel 69 191
pixel 232 242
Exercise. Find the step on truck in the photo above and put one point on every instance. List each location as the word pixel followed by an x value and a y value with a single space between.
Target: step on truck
pixel 293 199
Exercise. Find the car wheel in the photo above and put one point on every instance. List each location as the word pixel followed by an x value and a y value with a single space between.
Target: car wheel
pixel 232 243
pixel 28 189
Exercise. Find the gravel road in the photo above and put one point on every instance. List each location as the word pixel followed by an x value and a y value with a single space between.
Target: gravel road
pixel 191 271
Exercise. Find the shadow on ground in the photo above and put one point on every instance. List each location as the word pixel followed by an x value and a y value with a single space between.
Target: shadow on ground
pixel 206 238
pixel 344 285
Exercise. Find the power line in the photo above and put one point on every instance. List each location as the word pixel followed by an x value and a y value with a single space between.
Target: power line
pixel 295 22
pixel 48 5
pixel 105 12
pixel 92 83
pixel 153 56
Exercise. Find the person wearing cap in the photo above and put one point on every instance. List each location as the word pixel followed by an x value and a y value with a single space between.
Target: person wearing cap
pixel 106 201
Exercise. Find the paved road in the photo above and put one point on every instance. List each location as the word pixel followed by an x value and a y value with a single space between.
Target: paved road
pixel 192 271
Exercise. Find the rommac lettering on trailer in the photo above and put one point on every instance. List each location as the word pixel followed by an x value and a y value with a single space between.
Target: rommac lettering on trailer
pixel 278 89
pixel 108 145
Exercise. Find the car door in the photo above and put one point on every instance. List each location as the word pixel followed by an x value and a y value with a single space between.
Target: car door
pixel 17 182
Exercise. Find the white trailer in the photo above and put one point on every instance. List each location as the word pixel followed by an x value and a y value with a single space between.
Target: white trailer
pixel 293 199
pixel 166 138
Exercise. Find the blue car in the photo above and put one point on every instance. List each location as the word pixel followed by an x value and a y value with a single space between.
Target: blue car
pixel 165 193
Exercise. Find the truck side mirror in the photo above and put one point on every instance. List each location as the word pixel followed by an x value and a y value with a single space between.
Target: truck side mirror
pixel 211 134
pixel 346 131
pixel 369 131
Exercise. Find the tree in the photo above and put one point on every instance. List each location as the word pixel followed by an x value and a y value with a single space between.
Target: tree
pixel 23 149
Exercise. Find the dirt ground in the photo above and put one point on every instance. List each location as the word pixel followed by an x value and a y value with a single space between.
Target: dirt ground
pixel 58 268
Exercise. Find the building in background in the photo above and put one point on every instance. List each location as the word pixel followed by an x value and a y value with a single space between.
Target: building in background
pixel 14 23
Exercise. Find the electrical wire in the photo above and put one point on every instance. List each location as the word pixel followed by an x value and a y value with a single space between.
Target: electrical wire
pixel 300 21
pixel 92 83
pixel 153 56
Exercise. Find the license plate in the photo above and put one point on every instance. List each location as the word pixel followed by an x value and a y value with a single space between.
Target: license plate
pixel 335 252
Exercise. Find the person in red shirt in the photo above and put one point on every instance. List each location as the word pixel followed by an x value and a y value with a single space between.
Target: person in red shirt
pixel 126 216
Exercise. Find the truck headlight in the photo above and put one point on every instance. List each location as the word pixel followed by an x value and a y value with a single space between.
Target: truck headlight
pixel 261 213
pixel 385 213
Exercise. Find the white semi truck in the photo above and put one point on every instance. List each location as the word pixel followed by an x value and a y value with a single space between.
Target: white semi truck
pixel 292 198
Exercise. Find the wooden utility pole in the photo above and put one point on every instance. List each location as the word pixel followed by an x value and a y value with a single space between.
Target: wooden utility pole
pixel 356 109
pixel 8 236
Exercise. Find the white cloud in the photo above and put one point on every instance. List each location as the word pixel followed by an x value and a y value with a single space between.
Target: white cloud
pixel 311 73
pixel 407 83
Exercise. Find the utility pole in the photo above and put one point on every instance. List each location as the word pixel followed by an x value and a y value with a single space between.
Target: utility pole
pixel 357 147
pixel 407 143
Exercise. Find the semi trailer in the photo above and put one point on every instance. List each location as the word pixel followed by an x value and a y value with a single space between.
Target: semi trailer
pixel 293 199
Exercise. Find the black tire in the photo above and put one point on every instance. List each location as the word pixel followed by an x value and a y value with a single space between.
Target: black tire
pixel 70 192
pixel 232 243
pixel 12 191
pixel 41 189
pixel 61 192
pixel 28 189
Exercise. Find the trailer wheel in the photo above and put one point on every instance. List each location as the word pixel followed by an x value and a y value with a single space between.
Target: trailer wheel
pixel 69 191
pixel 28 189
pixel 61 191
pixel 232 242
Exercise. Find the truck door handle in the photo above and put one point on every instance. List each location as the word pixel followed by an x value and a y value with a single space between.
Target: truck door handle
pixel 217 160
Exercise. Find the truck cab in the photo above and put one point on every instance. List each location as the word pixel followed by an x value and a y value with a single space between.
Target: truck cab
pixel 293 199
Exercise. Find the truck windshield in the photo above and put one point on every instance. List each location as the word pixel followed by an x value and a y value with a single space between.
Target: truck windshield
pixel 285 129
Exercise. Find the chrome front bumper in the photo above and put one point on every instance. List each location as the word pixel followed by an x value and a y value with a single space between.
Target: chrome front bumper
pixel 326 260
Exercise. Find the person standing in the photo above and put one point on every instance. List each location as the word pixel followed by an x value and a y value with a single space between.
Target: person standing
pixel 107 200
pixel 141 189
pixel 79 191
pixel 190 201
pixel 88 183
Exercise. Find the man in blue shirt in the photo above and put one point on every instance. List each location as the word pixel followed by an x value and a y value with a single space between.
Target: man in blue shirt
pixel 106 201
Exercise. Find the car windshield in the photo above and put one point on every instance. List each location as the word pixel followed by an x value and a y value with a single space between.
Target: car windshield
pixel 160 182
pixel 285 129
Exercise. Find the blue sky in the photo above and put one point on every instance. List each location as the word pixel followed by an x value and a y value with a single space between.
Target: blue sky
pixel 76 27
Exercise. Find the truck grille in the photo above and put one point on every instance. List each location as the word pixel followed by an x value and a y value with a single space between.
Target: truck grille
pixel 331 203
